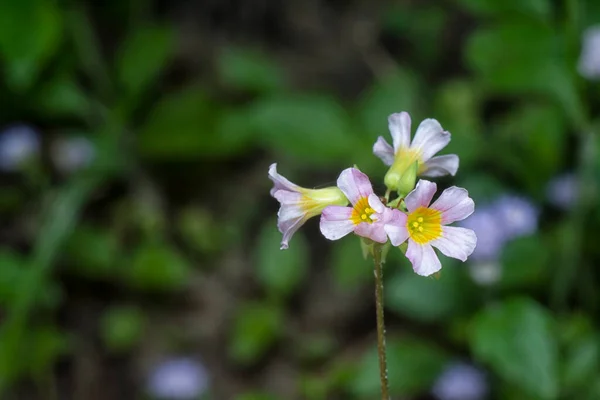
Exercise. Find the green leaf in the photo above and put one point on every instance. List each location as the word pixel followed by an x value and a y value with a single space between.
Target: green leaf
pixel 541 9
pixel 516 339
pixel 311 127
pixel 524 262
pixel 30 33
pixel 157 266
pixel 93 252
pixel 188 125
pixel 430 299
pixel 413 365
pixel 43 347
pixel 122 328
pixel 256 328
pixel 63 97
pixel 350 268
pixel 280 271
pixel 142 57
pixel 249 70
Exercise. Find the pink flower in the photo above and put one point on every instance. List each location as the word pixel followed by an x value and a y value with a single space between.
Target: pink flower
pixel 429 139
pixel 425 227
pixel 366 217
pixel 298 204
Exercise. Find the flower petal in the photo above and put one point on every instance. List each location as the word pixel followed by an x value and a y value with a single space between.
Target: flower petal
pixel 376 204
pixel 456 242
pixel 383 150
pixel 335 222
pixel 396 229
pixel 280 182
pixel 399 125
pixel 423 258
pixel 441 165
pixel 455 205
pixel 421 196
pixel 430 138
pixel 354 184
pixel 374 231
pixel 291 216
pixel 288 228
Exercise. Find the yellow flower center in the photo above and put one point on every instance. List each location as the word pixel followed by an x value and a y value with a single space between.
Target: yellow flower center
pixel 405 157
pixel 424 225
pixel 362 211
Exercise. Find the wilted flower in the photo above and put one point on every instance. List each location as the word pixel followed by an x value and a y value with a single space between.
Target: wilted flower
pixel 18 144
pixel 72 154
pixel 425 226
pixel 517 216
pixel 563 191
pixel 178 379
pixel 299 204
pixel 589 60
pixel 490 237
pixel 366 217
pixel 429 139
pixel 461 381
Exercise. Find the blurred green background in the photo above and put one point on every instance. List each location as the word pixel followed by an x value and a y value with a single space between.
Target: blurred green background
pixel 139 252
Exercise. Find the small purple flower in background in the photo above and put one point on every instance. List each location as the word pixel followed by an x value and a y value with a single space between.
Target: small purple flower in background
pixel 490 237
pixel 485 273
pixel 18 144
pixel 563 191
pixel 517 216
pixel 460 381
pixel 72 154
pixel 589 60
pixel 178 379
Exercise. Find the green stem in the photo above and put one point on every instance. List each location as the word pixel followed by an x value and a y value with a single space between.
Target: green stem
pixel 377 258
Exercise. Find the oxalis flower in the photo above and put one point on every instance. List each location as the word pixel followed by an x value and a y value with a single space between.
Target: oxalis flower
pixel 367 216
pixel 425 227
pixel 429 139
pixel 298 204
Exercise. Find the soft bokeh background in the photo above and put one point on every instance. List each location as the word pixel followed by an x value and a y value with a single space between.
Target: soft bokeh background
pixel 139 252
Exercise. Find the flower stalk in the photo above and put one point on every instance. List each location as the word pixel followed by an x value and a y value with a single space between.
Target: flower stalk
pixel 383 374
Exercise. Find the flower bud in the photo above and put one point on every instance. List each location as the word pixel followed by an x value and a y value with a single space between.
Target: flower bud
pixel 402 180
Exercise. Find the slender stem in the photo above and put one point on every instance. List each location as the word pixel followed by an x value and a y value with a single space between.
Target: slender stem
pixel 377 250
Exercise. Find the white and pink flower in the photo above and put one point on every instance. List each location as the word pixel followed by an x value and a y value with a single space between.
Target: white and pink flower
pixel 367 216
pixel 429 139
pixel 298 204
pixel 425 226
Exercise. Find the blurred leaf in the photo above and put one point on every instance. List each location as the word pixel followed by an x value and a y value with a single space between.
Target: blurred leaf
pixel 256 328
pixel 413 366
pixel 582 363
pixel 532 8
pixel 43 347
pixel 430 299
pixel 93 252
pixel 280 271
pixel 524 262
pixel 63 97
pixel 157 266
pixel 122 328
pixel 30 33
pixel 181 126
pixel 458 109
pixel 394 93
pixel 515 337
pixel 245 69
pixel 199 229
pixel 142 57
pixel 350 268
pixel 310 127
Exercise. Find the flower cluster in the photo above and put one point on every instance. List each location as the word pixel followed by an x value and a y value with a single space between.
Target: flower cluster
pixel 410 218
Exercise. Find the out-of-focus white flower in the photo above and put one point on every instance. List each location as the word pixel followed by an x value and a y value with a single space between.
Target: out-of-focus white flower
pixel 18 144
pixel 178 379
pixel 563 191
pixel 517 216
pixel 589 60
pixel 460 381
pixel 485 273
pixel 72 154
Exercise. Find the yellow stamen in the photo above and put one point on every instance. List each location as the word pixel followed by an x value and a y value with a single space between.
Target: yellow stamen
pixel 362 212
pixel 424 225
